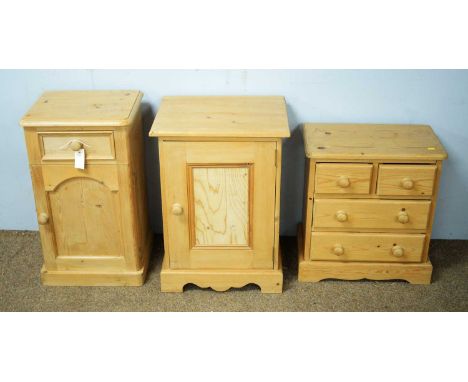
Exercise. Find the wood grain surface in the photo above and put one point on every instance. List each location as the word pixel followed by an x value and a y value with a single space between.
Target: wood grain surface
pixel 221 205
pixel 85 215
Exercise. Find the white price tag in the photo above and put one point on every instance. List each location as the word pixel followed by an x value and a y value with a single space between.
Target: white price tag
pixel 80 159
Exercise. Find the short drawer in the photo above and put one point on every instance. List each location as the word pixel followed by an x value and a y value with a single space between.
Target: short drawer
pixel 371 213
pixel 371 247
pixel 343 178
pixel 407 180
pixel 98 145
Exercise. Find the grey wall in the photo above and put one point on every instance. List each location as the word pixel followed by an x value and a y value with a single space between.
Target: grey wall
pixel 438 98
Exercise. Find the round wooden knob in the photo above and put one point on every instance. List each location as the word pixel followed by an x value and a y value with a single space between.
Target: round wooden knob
pixel 341 216
pixel 407 183
pixel 338 249
pixel 43 218
pixel 397 251
pixel 343 182
pixel 177 209
pixel 403 217
pixel 76 145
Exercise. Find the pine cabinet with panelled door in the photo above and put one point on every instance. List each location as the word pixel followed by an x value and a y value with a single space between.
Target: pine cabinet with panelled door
pixel 370 198
pixel 220 166
pixel 92 216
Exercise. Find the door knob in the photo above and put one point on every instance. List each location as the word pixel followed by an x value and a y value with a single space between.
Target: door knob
pixel 177 209
pixel 343 182
pixel 338 249
pixel 43 218
pixel 76 145
pixel 397 251
pixel 403 217
pixel 407 183
pixel 341 216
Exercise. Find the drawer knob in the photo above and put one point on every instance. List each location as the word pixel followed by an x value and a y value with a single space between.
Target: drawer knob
pixel 397 251
pixel 407 183
pixel 76 145
pixel 403 217
pixel 43 218
pixel 338 249
pixel 343 182
pixel 177 209
pixel 341 216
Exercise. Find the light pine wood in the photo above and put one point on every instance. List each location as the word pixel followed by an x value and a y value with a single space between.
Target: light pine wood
pixel 221 205
pixel 96 230
pixel 62 146
pixel 343 178
pixel 55 174
pixel 74 273
pixel 221 280
pixel 309 186
pixel 375 247
pixel 407 180
pixel 220 161
pixel 370 196
pixel 435 193
pixel 314 271
pixel 83 108
pixel 378 214
pixel 384 233
pixel 414 273
pixel 371 142
pixel 179 161
pixel 276 243
pixel 84 212
pixel 221 116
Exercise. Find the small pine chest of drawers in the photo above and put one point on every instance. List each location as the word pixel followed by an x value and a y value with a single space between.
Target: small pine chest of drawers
pixel 85 153
pixel 220 165
pixel 369 205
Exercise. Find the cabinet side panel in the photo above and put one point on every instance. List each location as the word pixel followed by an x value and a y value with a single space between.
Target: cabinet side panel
pixel 32 145
pixel 279 150
pixel 162 176
pixel 309 186
pixel 139 198
pixel 435 193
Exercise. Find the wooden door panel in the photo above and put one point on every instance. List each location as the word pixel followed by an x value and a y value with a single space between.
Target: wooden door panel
pixel 85 214
pixel 221 205
pixel 227 194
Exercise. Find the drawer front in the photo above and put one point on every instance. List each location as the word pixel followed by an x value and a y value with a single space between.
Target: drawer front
pixel 371 214
pixel 98 145
pixel 342 246
pixel 343 178
pixel 408 180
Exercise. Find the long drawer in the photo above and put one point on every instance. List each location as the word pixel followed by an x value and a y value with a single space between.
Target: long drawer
pixel 381 247
pixel 371 214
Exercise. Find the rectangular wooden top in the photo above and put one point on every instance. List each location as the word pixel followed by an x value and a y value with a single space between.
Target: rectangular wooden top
pixel 83 108
pixel 224 116
pixel 365 141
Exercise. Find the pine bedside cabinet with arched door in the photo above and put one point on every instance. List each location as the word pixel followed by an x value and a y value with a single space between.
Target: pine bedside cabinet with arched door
pixel 85 153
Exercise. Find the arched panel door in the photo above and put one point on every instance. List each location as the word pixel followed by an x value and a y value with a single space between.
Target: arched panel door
pixel 85 213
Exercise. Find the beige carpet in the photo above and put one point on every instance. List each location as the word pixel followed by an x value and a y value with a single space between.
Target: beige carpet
pixel 20 288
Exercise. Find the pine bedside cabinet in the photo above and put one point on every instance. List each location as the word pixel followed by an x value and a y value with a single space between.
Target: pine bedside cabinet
pixel 370 197
pixel 85 152
pixel 220 161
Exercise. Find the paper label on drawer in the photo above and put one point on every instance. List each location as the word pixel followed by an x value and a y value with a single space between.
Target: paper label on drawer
pixel 80 159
